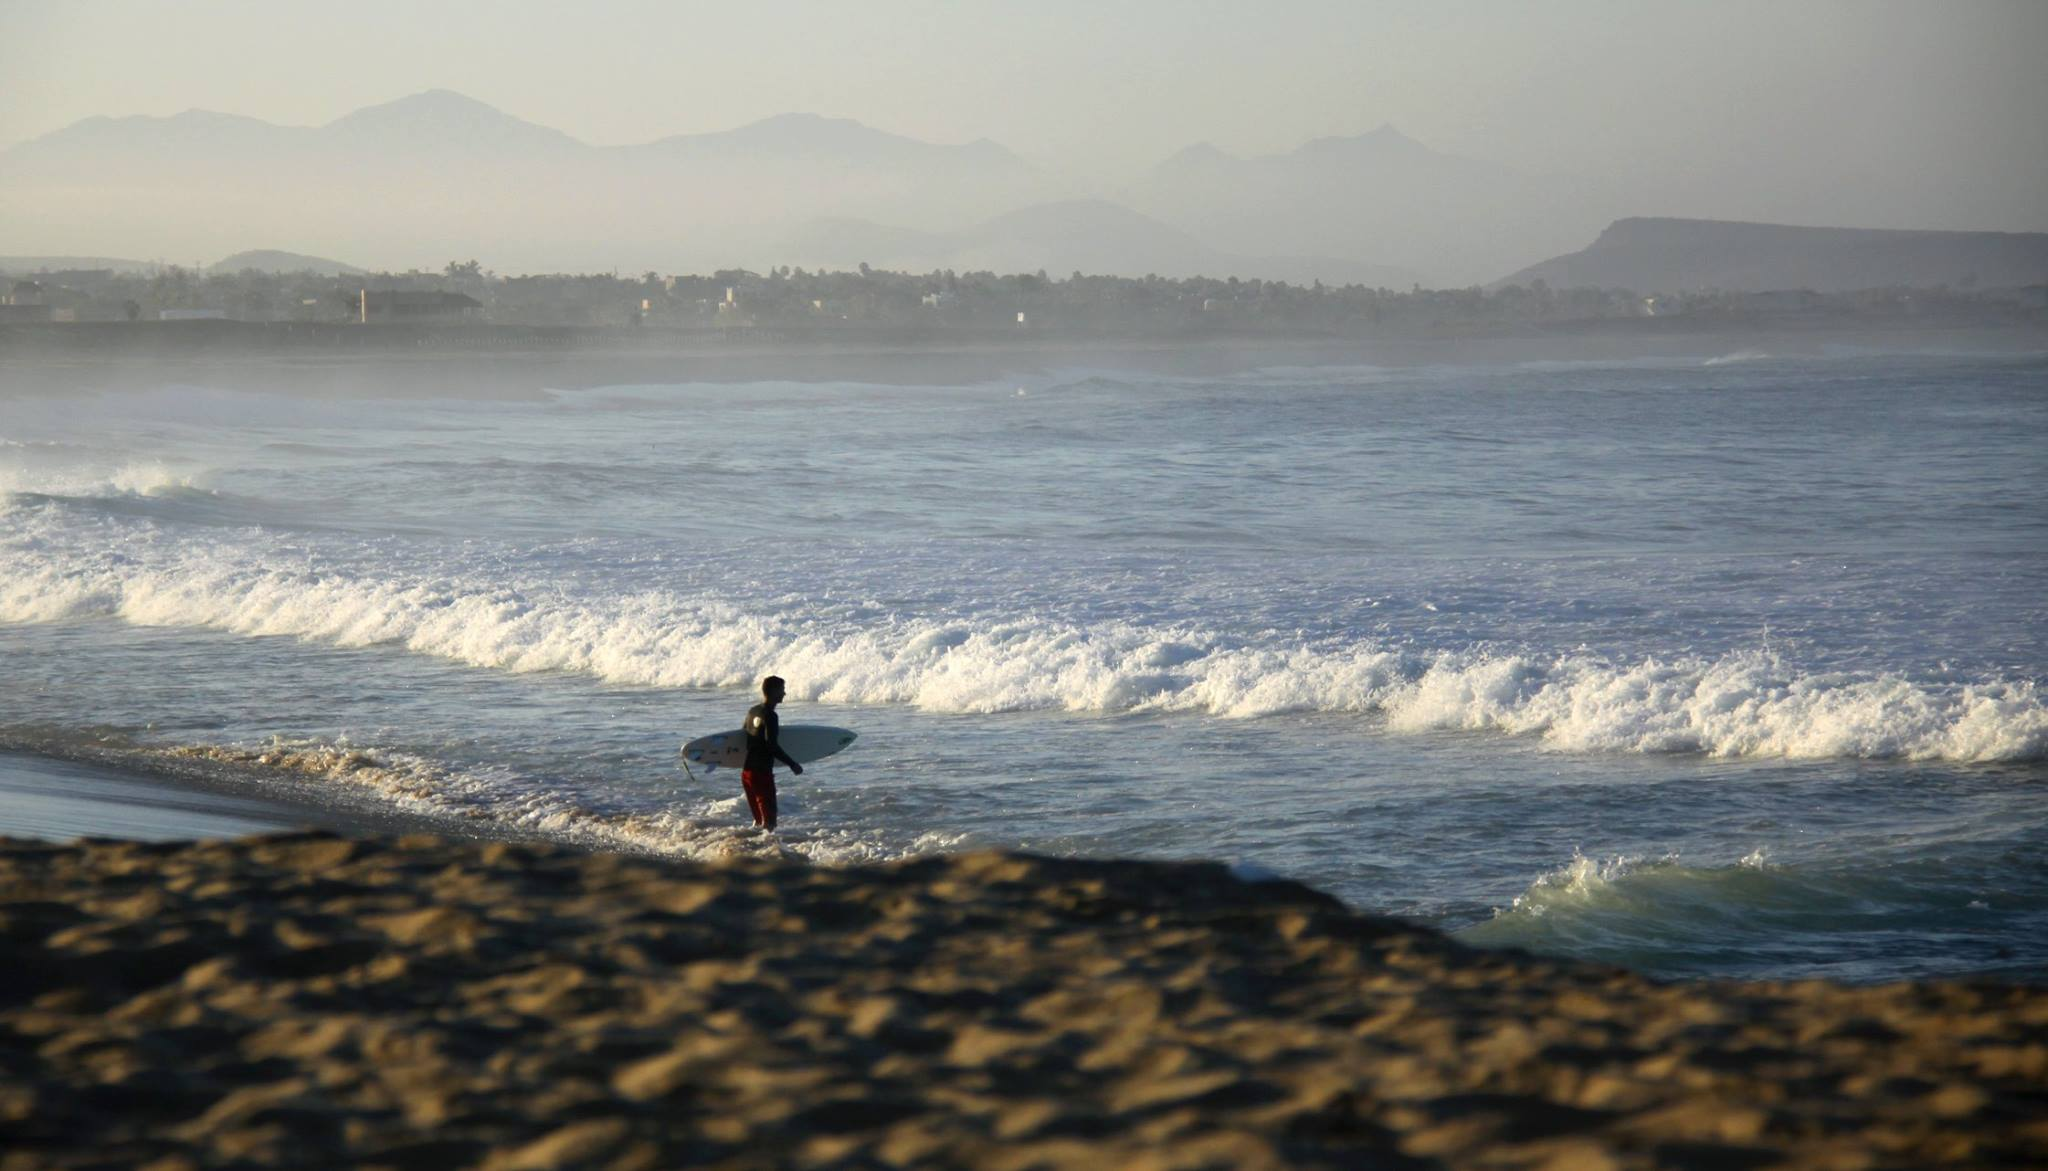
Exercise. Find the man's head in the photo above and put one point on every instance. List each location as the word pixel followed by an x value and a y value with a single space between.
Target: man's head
pixel 771 689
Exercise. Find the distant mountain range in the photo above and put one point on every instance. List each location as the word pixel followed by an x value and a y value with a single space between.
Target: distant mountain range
pixel 1677 255
pixel 437 176
pixel 262 260
pixel 23 265
pixel 1379 196
pixel 442 127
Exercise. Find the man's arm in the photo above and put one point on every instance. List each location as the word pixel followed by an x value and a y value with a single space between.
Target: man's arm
pixel 774 730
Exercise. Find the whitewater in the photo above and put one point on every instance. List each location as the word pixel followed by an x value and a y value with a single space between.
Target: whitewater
pixel 1734 664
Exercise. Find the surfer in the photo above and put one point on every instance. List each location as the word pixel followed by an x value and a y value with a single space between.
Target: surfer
pixel 764 748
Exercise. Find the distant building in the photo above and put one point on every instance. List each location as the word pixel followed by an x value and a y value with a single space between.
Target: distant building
pixel 410 305
pixel 191 315
pixel 48 298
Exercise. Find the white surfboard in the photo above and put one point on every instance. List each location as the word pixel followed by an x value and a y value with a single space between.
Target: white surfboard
pixel 804 742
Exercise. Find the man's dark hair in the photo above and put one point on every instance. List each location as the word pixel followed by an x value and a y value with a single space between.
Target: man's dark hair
pixel 771 685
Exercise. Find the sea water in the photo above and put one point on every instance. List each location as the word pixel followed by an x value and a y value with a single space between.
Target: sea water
pixel 1710 666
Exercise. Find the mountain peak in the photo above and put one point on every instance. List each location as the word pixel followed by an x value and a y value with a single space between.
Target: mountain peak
pixel 439 96
pixel 438 117
pixel 806 131
pixel 427 101
pixel 1382 142
pixel 802 118
pixel 272 260
pixel 1201 153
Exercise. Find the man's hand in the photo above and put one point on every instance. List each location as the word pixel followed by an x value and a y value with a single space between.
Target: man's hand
pixel 796 770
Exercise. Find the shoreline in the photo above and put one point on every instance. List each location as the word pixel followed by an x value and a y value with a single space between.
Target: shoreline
pixel 412 1002
pixel 433 367
pixel 58 792
pixel 52 799
pixel 61 791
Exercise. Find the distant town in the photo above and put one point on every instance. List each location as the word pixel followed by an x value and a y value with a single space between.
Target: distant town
pixel 463 299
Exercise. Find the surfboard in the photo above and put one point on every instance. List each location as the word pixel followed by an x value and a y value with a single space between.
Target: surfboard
pixel 804 742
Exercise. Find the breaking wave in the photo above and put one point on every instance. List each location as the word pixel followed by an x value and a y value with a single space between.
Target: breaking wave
pixel 1743 704
pixel 135 479
pixel 1844 919
pixel 93 480
pixel 1737 358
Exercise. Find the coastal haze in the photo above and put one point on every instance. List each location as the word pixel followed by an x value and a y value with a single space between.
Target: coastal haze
pixel 1420 585
pixel 1379 144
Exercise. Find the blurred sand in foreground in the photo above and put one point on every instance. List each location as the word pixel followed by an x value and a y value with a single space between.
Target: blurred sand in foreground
pixel 308 1000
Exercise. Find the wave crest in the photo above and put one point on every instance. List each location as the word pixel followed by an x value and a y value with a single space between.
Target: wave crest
pixel 1848 918
pixel 47 471
pixel 1744 704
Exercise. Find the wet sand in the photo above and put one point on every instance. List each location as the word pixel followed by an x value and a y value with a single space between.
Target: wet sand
pixel 58 800
pixel 308 1000
pixel 136 795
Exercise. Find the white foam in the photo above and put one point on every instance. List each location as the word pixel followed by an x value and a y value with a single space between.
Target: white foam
pixel 1748 704
pixel 1743 704
pixel 518 805
pixel 1576 883
pixel 88 479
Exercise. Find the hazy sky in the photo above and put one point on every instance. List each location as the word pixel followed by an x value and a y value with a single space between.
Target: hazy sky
pixel 1782 109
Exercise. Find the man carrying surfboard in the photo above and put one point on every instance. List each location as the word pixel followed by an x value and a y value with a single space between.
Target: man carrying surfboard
pixel 764 747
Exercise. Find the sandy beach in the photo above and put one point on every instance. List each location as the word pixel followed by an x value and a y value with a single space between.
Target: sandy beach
pixel 309 1000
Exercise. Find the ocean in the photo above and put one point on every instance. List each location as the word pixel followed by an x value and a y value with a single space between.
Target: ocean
pixel 1723 666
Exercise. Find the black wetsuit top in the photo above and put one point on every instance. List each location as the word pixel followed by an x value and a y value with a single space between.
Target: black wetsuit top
pixel 764 734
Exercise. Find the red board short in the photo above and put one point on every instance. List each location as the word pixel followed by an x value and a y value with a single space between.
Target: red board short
pixel 760 787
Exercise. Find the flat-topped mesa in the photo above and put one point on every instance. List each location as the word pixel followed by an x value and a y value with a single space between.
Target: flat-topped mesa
pixel 1650 254
pixel 306 998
